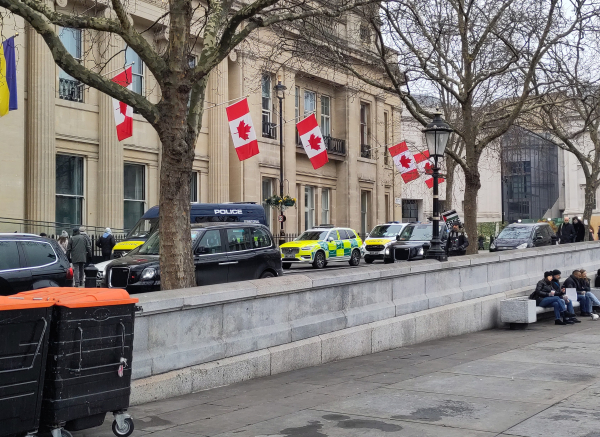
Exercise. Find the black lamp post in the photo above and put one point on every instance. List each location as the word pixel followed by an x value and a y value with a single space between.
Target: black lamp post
pixel 436 134
pixel 280 92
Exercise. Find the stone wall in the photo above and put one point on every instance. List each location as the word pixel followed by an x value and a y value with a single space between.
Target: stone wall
pixel 204 337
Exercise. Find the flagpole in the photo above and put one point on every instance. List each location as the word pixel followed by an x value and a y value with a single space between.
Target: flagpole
pixel 117 69
pixel 222 103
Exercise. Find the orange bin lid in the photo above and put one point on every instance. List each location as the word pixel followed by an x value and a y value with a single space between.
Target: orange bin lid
pixel 8 303
pixel 80 297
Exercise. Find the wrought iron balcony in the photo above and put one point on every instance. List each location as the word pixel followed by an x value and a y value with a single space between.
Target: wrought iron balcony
pixel 268 130
pixel 70 89
pixel 365 151
pixel 335 146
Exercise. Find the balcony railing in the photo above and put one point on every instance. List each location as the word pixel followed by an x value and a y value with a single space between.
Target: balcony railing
pixel 69 89
pixel 268 130
pixel 335 146
pixel 365 151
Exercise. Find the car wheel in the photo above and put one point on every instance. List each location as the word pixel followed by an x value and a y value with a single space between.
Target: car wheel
pixel 387 261
pixel 369 260
pixel 286 265
pixel 267 274
pixel 354 258
pixel 319 261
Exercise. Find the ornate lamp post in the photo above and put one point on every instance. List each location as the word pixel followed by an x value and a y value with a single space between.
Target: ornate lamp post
pixel 280 92
pixel 437 134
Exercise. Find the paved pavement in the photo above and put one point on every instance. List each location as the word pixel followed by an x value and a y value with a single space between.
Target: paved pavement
pixel 543 381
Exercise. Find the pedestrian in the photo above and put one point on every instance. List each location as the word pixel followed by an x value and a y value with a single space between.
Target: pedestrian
pixel 78 251
pixel 566 232
pixel 597 280
pixel 480 243
pixel 106 243
pixel 561 292
pixel 598 232
pixel 457 241
pixel 584 281
pixel 574 281
pixel 579 230
pixel 591 234
pixel 63 241
pixel 544 297
pixel 89 240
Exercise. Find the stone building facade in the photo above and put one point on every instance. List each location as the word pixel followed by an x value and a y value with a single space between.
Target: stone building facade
pixel 62 161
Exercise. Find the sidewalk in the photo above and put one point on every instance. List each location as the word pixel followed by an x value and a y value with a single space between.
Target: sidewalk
pixel 543 381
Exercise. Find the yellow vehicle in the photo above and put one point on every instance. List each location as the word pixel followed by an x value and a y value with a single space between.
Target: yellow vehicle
pixel 322 244
pixel 379 238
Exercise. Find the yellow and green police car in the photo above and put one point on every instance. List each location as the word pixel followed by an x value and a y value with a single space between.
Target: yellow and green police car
pixel 322 244
pixel 380 237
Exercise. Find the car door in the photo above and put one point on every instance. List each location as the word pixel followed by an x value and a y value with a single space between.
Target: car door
pixel 210 258
pixel 333 243
pixel 346 249
pixel 13 277
pixel 241 254
pixel 266 254
pixel 538 237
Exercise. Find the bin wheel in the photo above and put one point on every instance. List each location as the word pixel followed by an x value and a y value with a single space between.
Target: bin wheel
pixel 127 429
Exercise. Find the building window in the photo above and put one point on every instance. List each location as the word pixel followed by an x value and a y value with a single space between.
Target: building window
pixel 326 116
pixel 267 191
pixel 134 183
pixel 297 112
pixel 387 208
pixel 365 34
pixel 310 105
pixel 365 208
pixel 386 137
pixel 325 216
pixel 194 187
pixel 309 207
pixel 70 88
pixel 410 210
pixel 268 131
pixel 137 70
pixel 69 189
pixel 365 150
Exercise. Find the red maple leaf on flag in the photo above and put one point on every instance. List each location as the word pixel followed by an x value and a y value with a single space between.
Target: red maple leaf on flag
pixel 243 130
pixel 428 168
pixel 314 142
pixel 405 162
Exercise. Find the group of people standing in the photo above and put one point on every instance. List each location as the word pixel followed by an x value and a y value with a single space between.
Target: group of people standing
pixel 549 293
pixel 574 232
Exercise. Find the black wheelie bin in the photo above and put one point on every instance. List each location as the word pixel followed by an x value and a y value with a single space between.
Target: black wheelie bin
pixel 88 372
pixel 24 329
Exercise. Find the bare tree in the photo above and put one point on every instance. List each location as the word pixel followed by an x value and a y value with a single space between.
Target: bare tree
pixel 481 54
pixel 215 27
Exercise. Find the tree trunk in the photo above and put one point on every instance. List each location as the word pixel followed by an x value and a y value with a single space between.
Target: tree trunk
pixel 450 172
pixel 590 204
pixel 472 186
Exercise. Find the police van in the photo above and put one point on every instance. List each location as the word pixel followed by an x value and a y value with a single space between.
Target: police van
pixel 240 212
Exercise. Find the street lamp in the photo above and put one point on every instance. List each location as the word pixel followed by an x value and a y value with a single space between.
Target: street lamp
pixel 280 92
pixel 436 134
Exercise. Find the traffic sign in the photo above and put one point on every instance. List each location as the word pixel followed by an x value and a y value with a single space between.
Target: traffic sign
pixel 281 218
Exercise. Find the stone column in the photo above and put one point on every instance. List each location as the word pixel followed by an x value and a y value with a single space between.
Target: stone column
pixel 40 193
pixel 218 135
pixel 353 149
pixel 290 150
pixel 110 151
pixel 379 199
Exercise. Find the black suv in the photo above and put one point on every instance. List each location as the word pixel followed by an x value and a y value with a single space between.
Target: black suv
pixel 29 262
pixel 524 235
pixel 227 252
pixel 413 242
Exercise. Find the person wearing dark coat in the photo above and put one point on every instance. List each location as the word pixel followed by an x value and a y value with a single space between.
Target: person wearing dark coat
pixel 579 230
pixel 562 293
pixel 457 242
pixel 574 281
pixel 78 251
pixel 566 232
pixel 597 280
pixel 544 296
pixel 584 282
pixel 106 243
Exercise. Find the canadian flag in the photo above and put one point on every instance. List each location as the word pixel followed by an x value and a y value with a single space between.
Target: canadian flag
pixel 242 130
pixel 425 167
pixel 312 140
pixel 123 112
pixel 405 162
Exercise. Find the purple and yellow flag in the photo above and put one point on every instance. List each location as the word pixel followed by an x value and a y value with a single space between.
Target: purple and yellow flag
pixel 8 77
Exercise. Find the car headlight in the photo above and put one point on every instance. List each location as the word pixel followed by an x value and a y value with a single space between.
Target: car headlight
pixel 148 273
pixel 387 250
pixel 420 252
pixel 522 246
pixel 307 248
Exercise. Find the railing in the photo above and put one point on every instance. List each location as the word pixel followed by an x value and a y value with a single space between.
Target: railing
pixel 335 146
pixel 268 130
pixel 49 228
pixel 365 151
pixel 69 89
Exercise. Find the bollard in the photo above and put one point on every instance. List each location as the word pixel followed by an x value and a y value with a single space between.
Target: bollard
pixel 91 274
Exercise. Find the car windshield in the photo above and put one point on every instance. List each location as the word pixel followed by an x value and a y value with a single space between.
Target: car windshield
pixel 515 233
pixel 151 246
pixel 418 232
pixel 143 228
pixel 312 235
pixel 385 231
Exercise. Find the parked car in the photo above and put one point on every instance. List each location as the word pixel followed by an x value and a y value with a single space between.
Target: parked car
pixel 524 235
pixel 29 262
pixel 101 275
pixel 379 238
pixel 319 245
pixel 413 242
pixel 227 252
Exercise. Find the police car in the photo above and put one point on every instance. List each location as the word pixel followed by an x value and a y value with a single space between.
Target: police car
pixel 319 245
pixel 380 237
